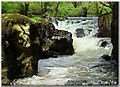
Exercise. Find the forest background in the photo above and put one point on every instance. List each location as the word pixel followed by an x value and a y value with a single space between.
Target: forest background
pixel 64 9
pixel 38 10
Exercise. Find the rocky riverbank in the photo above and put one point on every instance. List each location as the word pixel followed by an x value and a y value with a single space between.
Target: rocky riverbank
pixel 24 42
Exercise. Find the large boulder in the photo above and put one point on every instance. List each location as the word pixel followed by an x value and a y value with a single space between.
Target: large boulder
pixel 19 35
pixel 62 43
pixel 61 47
pixel 24 42
pixel 55 42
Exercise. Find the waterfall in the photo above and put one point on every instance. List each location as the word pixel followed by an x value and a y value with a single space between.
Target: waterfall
pixel 84 31
pixel 77 69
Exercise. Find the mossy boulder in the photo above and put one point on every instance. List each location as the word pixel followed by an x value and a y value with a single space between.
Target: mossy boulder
pixel 62 43
pixel 19 35
pixel 61 47
pixel 5 79
pixel 51 36
pixel 24 42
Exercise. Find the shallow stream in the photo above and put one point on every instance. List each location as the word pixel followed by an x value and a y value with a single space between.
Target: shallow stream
pixel 85 67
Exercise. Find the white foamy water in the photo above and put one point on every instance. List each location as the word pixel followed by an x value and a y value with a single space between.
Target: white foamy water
pixel 82 68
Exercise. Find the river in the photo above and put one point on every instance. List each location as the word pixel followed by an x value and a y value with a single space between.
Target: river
pixel 85 67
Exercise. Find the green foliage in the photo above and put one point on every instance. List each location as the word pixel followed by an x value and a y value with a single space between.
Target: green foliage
pixel 53 14
pixel 46 13
pixel 64 9
pixel 106 10
pixel 5 17
pixel 11 11
pixel 11 7
pixel 36 19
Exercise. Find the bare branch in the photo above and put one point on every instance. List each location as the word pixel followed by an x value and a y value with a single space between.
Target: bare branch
pixel 106 10
pixel 45 10
pixel 105 4
pixel 101 10
pixel 56 9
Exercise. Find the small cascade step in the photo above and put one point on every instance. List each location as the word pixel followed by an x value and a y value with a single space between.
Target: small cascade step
pixel 71 24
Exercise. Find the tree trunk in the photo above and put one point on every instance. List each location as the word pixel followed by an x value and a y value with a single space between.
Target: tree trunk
pixel 75 4
pixel 84 12
pixel 56 9
pixel 114 32
pixel 97 8
pixel 26 8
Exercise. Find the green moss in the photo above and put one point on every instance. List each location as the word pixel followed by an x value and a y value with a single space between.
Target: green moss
pixel 38 19
pixel 26 60
pixel 5 79
pixel 5 17
pixel 15 19
pixel 27 65
pixel 8 20
pixel 24 33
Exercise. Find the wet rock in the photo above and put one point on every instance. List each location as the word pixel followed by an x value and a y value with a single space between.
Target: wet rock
pixel 103 43
pixel 19 34
pixel 80 33
pixel 106 57
pixel 62 43
pixel 24 42
pixel 51 36
pixel 84 20
pixel 42 71
pixel 78 21
pixel 60 18
pixel 62 47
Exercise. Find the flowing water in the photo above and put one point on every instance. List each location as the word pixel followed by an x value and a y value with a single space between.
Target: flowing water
pixel 85 67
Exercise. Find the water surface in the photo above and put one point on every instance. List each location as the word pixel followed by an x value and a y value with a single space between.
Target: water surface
pixel 85 67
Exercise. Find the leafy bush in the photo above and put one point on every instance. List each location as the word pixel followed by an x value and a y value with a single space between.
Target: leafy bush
pixel 12 11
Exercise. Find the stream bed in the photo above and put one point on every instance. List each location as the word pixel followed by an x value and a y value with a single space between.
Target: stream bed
pixel 85 66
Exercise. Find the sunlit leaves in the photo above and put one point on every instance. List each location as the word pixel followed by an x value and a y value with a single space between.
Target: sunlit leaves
pixel 63 9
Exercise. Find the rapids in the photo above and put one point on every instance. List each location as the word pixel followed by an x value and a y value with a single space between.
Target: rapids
pixel 85 67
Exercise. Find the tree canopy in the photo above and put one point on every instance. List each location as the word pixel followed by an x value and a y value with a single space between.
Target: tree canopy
pixel 64 9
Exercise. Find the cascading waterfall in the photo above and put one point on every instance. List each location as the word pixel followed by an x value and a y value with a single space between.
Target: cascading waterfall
pixel 90 27
pixel 85 67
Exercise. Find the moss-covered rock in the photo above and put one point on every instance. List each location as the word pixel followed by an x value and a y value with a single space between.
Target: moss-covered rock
pixel 24 42
pixel 62 47
pixel 57 42
pixel 19 35
pixel 5 79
